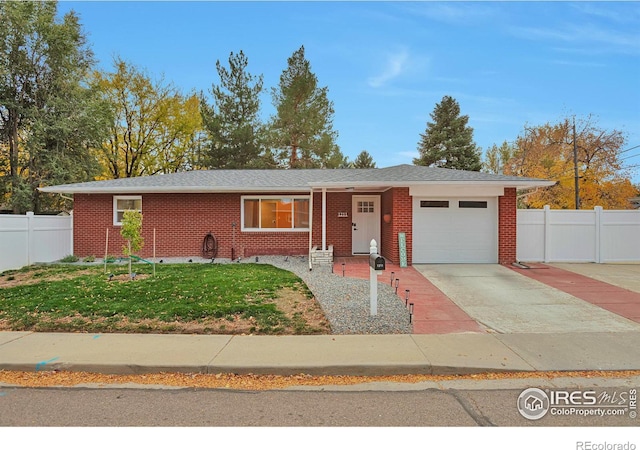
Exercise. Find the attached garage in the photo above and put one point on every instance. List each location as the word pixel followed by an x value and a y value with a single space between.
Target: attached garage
pixel 455 230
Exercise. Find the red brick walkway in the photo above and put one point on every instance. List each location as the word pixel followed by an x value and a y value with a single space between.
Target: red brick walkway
pixel 618 300
pixel 433 312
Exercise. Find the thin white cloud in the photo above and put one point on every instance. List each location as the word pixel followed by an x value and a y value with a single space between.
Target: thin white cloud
pixel 629 13
pixel 584 35
pixel 455 13
pixel 396 65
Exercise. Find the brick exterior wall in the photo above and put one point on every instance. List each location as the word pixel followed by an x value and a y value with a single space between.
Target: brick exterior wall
pixel 181 222
pixel 338 228
pixel 507 226
pixel 399 204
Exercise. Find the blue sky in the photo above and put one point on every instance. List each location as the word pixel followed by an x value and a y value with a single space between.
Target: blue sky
pixel 387 64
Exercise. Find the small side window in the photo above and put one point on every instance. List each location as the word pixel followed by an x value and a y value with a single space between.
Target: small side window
pixel 471 204
pixel 122 203
pixel 434 203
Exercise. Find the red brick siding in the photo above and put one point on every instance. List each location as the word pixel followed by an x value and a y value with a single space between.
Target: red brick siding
pixel 181 222
pixel 388 246
pixel 338 228
pixel 507 226
pixel 399 204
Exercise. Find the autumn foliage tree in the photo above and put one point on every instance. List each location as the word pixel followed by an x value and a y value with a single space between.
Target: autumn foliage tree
pixel 547 151
pixel 49 117
pixel 154 127
pixel 496 158
pixel 131 231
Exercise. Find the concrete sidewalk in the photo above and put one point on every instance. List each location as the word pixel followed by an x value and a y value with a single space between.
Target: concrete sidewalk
pixel 465 353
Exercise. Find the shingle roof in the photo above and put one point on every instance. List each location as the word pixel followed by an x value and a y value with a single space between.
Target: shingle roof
pixel 254 180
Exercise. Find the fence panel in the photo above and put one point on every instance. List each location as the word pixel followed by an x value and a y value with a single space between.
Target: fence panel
pixel 530 235
pixel 572 237
pixel 620 238
pixel 31 239
pixel 546 235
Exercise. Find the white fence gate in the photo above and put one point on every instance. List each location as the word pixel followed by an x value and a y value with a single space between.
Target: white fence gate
pixel 29 239
pixel 600 236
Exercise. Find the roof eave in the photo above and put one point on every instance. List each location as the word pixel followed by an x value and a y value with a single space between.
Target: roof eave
pixel 519 184
pixel 168 190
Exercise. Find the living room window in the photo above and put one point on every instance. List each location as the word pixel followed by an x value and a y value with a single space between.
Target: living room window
pixel 272 213
pixel 122 203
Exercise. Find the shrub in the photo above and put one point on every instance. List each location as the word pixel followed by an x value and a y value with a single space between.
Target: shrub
pixel 70 259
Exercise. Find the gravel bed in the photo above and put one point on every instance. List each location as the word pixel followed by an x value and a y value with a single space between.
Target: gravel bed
pixel 344 300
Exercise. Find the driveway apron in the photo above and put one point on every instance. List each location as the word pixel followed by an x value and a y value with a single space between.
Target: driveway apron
pixel 613 287
pixel 507 302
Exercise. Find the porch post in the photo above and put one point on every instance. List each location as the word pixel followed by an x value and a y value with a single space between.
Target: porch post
pixel 324 219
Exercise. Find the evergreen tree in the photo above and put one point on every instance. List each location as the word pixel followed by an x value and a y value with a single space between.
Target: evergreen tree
pixel 302 130
pixel 364 161
pixel 448 140
pixel 233 128
pixel 49 117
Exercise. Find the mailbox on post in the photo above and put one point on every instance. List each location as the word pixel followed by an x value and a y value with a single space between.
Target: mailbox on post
pixel 376 262
pixel 376 266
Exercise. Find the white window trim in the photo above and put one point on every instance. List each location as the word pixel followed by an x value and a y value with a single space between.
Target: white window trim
pixel 115 206
pixel 273 197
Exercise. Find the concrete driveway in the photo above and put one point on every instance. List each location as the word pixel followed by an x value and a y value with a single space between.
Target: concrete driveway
pixel 507 302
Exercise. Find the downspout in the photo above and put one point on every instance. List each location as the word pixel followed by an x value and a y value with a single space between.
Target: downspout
pixel 310 226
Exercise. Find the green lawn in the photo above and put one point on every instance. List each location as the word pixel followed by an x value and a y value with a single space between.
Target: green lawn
pixel 200 298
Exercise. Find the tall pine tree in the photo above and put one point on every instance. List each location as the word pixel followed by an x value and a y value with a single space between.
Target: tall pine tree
pixel 448 140
pixel 232 124
pixel 302 129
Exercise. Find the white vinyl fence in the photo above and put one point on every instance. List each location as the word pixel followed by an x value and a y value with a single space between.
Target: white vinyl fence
pixel 600 236
pixel 29 239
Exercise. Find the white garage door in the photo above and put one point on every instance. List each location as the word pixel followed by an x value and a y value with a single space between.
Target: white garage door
pixel 455 230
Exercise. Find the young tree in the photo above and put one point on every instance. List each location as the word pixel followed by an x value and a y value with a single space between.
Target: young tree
pixel 154 126
pixel 547 151
pixel 48 117
pixel 233 128
pixel 302 129
pixel 131 231
pixel 448 140
pixel 496 158
pixel 364 161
